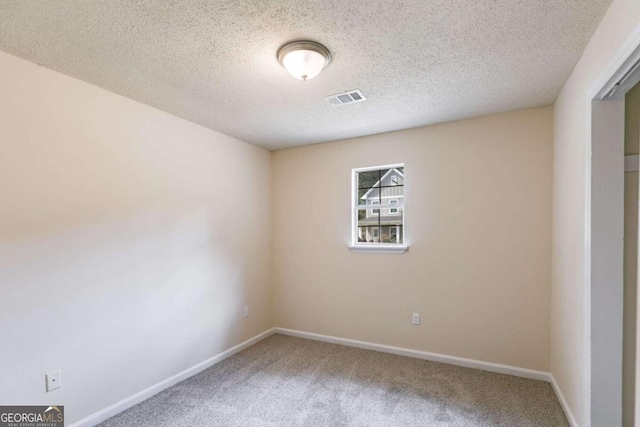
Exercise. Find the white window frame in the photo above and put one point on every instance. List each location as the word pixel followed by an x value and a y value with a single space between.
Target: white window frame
pixel 355 246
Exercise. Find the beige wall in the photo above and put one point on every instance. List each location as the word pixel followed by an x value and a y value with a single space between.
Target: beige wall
pixel 478 217
pixel 127 248
pixel 569 345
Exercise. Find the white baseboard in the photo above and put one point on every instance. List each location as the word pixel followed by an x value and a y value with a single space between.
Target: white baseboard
pixel 133 400
pixel 563 401
pixel 442 358
pixel 124 404
pixel 425 355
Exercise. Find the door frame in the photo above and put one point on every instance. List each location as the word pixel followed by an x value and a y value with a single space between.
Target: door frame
pixel 604 232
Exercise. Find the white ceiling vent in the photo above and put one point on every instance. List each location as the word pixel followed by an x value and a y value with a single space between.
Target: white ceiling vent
pixel 350 97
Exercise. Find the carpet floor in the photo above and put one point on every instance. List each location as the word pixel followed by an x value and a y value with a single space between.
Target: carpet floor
pixel 286 381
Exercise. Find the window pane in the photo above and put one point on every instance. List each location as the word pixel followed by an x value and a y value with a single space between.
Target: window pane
pixel 380 185
pixel 393 192
pixel 391 201
pixel 368 179
pixel 380 201
pixel 379 227
pixel 366 217
pixel 363 196
pixel 374 203
pixel 369 234
pixel 368 226
pixel 391 206
pixel 391 234
pixel 390 231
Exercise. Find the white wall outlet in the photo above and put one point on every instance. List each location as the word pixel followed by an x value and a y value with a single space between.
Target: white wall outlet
pixel 415 319
pixel 246 311
pixel 53 380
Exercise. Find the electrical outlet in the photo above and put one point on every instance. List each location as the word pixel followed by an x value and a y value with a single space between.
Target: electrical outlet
pixel 53 380
pixel 415 318
pixel 246 311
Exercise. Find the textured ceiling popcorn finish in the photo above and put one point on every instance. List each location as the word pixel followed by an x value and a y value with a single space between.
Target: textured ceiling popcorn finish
pixel 214 62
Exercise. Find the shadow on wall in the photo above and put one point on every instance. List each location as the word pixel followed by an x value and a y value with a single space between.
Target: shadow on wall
pixel 117 306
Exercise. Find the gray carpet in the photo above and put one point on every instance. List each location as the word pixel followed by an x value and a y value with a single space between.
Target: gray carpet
pixel 285 381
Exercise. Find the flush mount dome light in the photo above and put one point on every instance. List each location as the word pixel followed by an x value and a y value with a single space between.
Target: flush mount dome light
pixel 304 59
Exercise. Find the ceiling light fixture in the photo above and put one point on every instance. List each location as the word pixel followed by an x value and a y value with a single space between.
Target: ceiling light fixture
pixel 304 59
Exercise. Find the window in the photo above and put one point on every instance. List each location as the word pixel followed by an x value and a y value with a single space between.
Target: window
pixel 394 234
pixel 375 202
pixel 380 229
pixel 393 211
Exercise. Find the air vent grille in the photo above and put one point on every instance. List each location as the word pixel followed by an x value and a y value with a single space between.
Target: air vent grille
pixel 350 97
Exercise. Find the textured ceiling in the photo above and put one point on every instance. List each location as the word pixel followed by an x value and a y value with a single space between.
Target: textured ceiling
pixel 418 62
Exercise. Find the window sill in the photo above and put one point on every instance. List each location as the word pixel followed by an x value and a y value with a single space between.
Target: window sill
pixel 379 249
